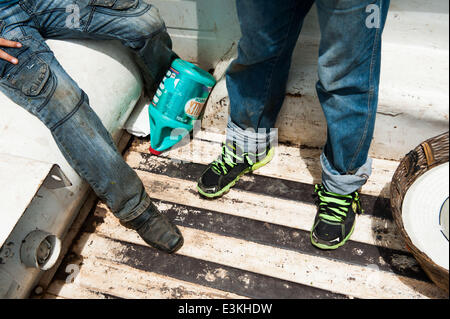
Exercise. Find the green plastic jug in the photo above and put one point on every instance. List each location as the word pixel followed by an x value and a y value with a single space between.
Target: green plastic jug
pixel 177 104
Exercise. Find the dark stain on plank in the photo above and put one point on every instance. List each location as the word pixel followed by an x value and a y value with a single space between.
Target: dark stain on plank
pixel 221 277
pixel 264 185
pixel 387 259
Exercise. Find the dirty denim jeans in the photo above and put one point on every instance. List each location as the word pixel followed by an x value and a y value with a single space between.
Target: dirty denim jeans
pixel 41 86
pixel 349 73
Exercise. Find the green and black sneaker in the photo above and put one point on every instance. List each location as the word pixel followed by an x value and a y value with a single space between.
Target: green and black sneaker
pixel 335 219
pixel 223 173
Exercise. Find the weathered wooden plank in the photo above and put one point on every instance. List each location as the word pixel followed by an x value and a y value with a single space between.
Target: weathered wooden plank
pixel 323 273
pixel 100 277
pixel 369 230
pixel 253 242
pixel 283 237
pixel 187 277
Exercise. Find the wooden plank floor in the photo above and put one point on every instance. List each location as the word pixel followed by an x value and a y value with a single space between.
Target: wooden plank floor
pixel 251 243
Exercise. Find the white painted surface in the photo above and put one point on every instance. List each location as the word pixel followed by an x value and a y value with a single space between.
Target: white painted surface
pixel 201 30
pixel 16 196
pixel 110 78
pixel 413 102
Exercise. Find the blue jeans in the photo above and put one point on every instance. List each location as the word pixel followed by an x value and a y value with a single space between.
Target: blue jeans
pixel 41 86
pixel 349 73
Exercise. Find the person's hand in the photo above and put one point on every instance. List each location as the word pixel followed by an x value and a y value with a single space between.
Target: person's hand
pixel 8 44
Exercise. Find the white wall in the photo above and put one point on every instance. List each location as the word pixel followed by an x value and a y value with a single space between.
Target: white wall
pixel 202 30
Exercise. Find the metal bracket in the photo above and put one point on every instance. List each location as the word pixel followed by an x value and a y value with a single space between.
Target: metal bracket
pixel 56 179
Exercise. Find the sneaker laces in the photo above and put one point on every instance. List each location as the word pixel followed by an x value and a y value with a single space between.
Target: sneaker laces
pixel 334 207
pixel 227 160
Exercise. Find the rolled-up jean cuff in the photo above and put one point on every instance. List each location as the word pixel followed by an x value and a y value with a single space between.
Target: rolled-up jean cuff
pixel 250 140
pixel 344 184
pixel 138 211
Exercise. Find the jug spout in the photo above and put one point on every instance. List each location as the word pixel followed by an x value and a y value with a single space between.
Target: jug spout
pixel 165 132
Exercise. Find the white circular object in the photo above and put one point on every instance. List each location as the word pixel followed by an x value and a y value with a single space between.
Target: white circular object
pixel 40 250
pixel 425 214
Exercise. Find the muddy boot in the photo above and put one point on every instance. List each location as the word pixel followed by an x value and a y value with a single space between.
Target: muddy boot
pixel 157 230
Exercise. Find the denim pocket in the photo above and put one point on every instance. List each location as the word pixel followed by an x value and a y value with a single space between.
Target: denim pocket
pixel 32 72
pixel 31 77
pixel 115 4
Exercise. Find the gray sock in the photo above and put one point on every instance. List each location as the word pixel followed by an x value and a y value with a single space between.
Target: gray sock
pixel 250 141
